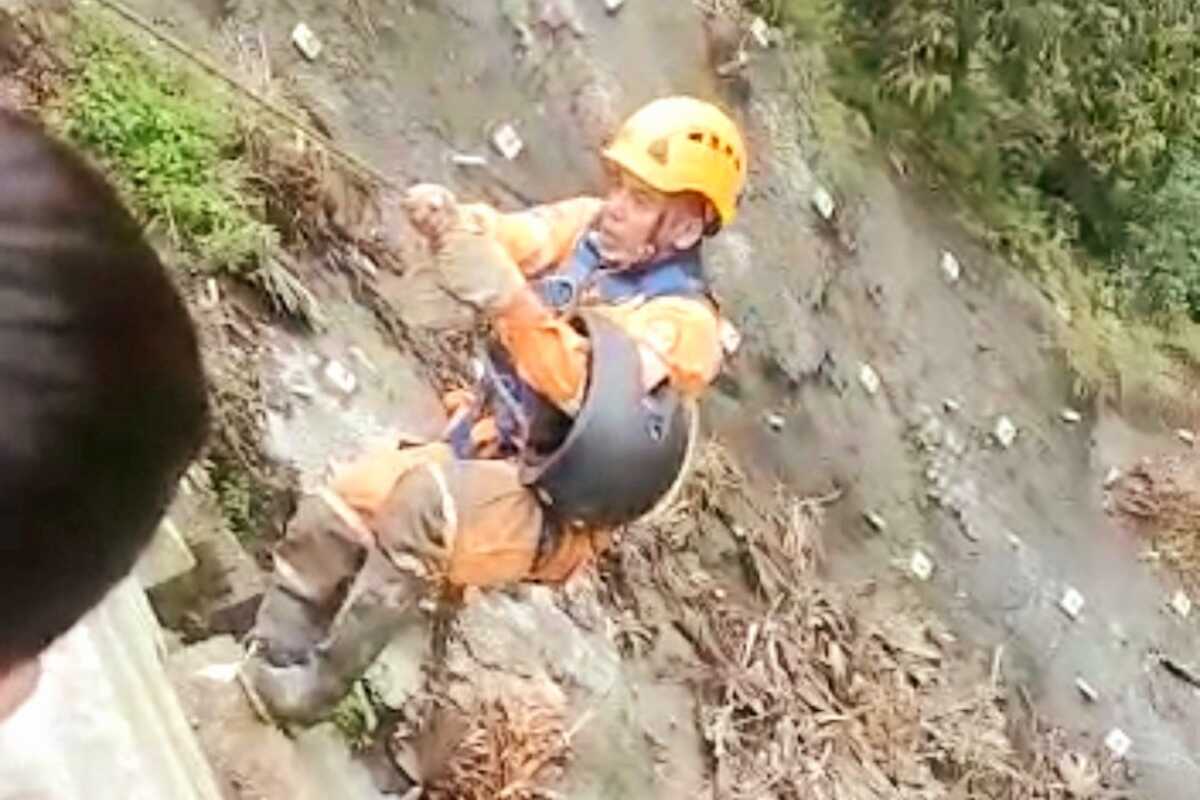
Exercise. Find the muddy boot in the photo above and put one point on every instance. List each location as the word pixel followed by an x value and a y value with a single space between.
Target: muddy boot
pixel 315 565
pixel 305 689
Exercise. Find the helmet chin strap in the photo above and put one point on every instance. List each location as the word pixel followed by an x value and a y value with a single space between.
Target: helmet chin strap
pixel 650 250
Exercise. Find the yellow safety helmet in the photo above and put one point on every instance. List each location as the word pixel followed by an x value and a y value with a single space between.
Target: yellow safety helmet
pixel 681 144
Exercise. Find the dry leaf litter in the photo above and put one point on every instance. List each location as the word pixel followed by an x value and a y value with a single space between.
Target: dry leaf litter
pixel 806 693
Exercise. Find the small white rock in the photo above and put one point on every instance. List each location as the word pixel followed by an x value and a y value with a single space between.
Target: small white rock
pixel 468 160
pixel 613 6
pixel 1005 432
pixel 869 378
pixel 774 421
pixel 1186 436
pixel 1087 690
pixel 1111 477
pixel 731 337
pixel 1182 604
pixel 213 292
pixel 875 521
pixel 507 142
pixel 342 378
pixel 921 566
pixel 950 267
pixel 1063 309
pixel 823 204
pixel 951 406
pixel 220 673
pixel 1118 742
pixel 761 32
pixel 1070 416
pixel 307 42
pixel 362 358
pixel 1072 603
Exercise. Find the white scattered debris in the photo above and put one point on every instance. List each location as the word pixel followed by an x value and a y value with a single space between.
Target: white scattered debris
pixel 921 566
pixel 1182 604
pixel 1070 416
pixel 220 673
pixel 362 358
pixel 1111 477
pixel 468 160
pixel 731 337
pixel 613 6
pixel 342 378
pixel 761 32
pixel 823 204
pixel 950 266
pixel 951 406
pixel 1015 542
pixel 869 378
pixel 1087 690
pixel 1063 309
pixel 1072 603
pixel 507 142
pixel 212 292
pixel 1118 742
pixel 299 382
pixel 307 42
pixel 774 421
pixel 1186 436
pixel 875 521
pixel 1005 432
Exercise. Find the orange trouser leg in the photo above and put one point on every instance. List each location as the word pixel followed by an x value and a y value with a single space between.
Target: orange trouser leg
pixel 474 523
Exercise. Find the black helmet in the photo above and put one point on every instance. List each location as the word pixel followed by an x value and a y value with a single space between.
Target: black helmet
pixel 625 447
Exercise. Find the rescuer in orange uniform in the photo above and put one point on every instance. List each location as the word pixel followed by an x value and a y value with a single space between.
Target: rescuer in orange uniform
pixel 604 331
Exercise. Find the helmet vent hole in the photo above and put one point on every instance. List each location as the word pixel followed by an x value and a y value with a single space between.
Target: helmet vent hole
pixel 696 136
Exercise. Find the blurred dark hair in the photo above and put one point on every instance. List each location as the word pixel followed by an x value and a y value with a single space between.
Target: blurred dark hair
pixel 102 396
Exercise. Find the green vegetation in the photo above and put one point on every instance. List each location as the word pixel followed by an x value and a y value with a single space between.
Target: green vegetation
pixel 240 502
pixel 355 717
pixel 1070 133
pixel 168 140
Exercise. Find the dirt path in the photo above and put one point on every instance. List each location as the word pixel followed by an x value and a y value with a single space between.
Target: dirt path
pixel 405 84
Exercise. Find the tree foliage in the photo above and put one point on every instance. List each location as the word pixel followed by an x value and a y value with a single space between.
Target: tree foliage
pixel 1063 119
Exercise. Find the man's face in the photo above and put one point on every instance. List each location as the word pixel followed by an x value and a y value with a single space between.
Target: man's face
pixel 631 221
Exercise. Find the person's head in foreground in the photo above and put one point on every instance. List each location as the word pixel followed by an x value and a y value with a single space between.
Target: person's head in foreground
pixel 676 169
pixel 102 396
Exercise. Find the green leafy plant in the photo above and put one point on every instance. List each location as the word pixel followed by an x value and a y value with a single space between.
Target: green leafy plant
pixel 169 141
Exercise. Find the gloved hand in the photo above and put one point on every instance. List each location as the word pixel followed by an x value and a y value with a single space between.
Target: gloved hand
pixel 432 209
pixel 472 265
pixel 475 268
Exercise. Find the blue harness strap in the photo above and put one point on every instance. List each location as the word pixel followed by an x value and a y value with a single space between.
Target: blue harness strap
pixel 681 275
pixel 512 402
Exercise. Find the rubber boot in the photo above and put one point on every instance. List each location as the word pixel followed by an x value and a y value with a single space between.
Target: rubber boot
pixel 377 606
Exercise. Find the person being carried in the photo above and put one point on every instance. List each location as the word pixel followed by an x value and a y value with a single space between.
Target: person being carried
pixel 605 330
